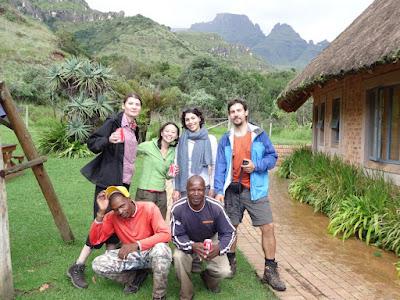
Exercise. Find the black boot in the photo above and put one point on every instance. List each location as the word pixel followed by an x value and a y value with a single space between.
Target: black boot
pixel 211 283
pixel 77 274
pixel 196 264
pixel 271 277
pixel 232 263
pixel 137 281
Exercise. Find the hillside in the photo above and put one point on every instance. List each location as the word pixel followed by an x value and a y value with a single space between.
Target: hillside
pixel 140 39
pixel 27 45
pixel 55 12
pixel 212 43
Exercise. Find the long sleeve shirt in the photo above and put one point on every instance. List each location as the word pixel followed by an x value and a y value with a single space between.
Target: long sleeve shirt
pixel 145 227
pixel 189 226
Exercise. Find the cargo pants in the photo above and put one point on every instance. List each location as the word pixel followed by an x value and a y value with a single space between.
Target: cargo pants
pixel 158 259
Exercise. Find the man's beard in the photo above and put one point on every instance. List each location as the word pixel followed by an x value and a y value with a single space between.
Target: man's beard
pixel 237 124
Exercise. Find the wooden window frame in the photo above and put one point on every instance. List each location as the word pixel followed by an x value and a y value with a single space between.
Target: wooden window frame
pixel 376 106
pixel 335 121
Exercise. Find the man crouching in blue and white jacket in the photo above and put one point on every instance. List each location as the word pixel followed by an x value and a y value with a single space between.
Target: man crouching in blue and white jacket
pixel 194 220
pixel 244 156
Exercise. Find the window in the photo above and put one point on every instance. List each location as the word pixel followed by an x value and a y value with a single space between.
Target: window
pixel 384 115
pixel 321 123
pixel 335 122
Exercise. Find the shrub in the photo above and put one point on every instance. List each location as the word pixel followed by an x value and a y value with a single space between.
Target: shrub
pixel 391 234
pixel 75 150
pixel 357 215
pixel 58 141
pixel 54 140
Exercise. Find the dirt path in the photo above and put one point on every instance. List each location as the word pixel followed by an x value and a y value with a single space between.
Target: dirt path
pixel 314 264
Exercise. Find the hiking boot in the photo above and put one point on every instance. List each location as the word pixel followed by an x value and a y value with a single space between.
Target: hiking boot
pixel 196 264
pixel 271 277
pixel 137 281
pixel 233 264
pixel 211 283
pixel 77 274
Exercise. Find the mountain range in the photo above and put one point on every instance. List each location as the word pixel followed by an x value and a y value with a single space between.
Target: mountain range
pixel 282 47
pixel 36 31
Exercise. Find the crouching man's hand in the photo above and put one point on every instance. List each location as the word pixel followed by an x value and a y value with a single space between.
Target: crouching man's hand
pixel 126 249
pixel 214 252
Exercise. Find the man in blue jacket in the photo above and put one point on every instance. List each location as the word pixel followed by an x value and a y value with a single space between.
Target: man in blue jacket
pixel 244 156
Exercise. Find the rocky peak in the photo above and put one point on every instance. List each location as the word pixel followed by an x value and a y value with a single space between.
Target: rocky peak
pixel 233 28
pixel 62 10
pixel 284 30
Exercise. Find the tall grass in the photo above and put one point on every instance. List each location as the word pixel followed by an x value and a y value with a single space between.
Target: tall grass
pixel 358 203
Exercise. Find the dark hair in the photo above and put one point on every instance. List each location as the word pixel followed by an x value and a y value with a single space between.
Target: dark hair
pixel 133 95
pixel 195 111
pixel 235 101
pixel 161 129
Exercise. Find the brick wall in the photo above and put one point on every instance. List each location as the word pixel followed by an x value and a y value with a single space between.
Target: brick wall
pixel 285 151
pixel 354 130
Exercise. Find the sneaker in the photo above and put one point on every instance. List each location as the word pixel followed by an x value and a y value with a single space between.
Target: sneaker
pixel 160 298
pixel 271 277
pixel 196 265
pixel 233 264
pixel 77 274
pixel 136 283
pixel 211 283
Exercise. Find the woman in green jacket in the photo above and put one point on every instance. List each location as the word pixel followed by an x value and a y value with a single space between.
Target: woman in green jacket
pixel 158 155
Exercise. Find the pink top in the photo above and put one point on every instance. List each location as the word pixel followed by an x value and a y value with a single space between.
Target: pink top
pixel 130 149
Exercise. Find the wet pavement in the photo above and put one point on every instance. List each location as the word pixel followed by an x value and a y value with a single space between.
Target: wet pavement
pixel 314 264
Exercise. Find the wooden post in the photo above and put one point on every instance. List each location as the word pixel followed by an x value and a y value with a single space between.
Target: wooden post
pixel 6 280
pixel 31 153
pixel 270 129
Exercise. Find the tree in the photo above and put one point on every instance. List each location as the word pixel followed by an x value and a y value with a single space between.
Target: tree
pixel 83 84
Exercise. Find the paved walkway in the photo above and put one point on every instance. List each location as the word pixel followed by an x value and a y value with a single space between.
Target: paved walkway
pixel 314 264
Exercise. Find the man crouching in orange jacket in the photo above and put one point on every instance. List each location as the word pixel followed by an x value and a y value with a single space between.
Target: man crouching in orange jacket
pixel 144 236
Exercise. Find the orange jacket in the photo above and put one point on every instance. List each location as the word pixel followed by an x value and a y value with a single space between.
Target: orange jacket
pixel 145 227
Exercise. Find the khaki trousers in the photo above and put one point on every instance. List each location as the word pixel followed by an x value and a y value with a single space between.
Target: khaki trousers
pixel 217 268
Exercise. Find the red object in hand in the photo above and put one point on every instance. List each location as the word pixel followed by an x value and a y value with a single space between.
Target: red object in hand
pixel 207 244
pixel 172 170
pixel 121 134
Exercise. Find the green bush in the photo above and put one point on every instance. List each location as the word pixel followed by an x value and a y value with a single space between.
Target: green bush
pixel 391 234
pixel 57 140
pixel 357 215
pixel 54 140
pixel 75 150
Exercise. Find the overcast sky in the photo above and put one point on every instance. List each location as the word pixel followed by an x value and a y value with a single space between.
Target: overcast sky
pixel 313 19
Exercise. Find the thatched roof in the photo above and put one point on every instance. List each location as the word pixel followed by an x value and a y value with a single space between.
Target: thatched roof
pixel 372 39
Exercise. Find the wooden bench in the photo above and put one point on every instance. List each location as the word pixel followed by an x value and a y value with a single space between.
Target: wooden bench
pixel 8 157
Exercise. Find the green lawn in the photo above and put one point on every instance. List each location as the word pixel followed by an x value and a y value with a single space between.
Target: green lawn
pixel 39 256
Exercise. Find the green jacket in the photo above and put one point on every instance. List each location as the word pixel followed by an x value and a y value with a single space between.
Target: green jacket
pixel 155 167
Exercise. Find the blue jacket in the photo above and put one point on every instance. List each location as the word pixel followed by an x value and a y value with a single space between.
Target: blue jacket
pixel 263 156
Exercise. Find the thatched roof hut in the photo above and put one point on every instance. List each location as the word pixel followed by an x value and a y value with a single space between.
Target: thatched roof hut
pixel 372 39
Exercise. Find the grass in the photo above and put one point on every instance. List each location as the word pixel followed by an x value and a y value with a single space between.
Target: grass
pixel 298 136
pixel 40 258
pixel 29 44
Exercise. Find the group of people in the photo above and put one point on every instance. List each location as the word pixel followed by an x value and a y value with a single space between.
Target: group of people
pixel 214 183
